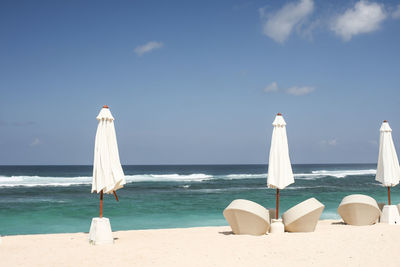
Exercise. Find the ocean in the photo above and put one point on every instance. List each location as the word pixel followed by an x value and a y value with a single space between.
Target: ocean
pixel 57 199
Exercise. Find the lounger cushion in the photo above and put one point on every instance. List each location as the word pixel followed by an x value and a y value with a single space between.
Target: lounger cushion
pixel 359 210
pixel 303 217
pixel 247 217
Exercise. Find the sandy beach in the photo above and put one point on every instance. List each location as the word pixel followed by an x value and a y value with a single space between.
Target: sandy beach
pixel 332 244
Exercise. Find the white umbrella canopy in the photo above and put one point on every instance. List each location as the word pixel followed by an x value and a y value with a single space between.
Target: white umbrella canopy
pixel 280 172
pixel 388 170
pixel 108 175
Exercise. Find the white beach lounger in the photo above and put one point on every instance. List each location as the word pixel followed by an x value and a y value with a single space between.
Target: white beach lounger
pixel 303 217
pixel 359 210
pixel 247 217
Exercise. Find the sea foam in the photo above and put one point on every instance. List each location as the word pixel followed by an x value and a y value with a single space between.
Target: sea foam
pixel 334 173
pixel 33 181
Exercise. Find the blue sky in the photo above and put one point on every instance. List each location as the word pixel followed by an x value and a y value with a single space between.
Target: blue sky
pixel 198 81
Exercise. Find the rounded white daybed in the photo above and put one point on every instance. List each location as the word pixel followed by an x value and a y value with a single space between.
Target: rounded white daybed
pixel 303 217
pixel 359 210
pixel 247 217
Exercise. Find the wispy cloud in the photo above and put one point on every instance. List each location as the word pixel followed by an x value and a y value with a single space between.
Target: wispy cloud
pixel 273 87
pixel 35 142
pixel 364 17
pixel 279 25
pixel 294 90
pixel 146 48
pixel 330 142
pixel 308 30
pixel 300 90
pixel 396 13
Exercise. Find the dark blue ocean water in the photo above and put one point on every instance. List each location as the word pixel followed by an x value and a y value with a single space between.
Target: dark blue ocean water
pixel 54 199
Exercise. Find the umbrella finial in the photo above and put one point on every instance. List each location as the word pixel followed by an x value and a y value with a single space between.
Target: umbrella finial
pixel 105 106
pixel 279 114
pixel 385 121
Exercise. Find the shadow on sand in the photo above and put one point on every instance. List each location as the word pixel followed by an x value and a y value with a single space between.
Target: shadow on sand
pixel 226 233
pixel 339 223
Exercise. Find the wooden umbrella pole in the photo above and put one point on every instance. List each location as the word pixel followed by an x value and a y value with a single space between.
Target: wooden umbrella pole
pixel 116 197
pixel 277 203
pixel 389 195
pixel 101 204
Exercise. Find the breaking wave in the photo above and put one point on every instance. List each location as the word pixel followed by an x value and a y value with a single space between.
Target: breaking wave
pixel 33 181
pixel 337 174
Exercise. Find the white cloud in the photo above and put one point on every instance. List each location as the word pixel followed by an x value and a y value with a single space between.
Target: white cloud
pixel 396 13
pixel 150 46
pixel 364 17
pixel 331 142
pixel 294 90
pixel 273 87
pixel 35 142
pixel 307 31
pixel 300 90
pixel 279 26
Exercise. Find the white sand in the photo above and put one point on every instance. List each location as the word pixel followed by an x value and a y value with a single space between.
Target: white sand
pixel 332 244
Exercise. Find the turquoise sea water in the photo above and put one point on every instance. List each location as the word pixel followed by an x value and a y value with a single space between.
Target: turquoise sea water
pixel 54 199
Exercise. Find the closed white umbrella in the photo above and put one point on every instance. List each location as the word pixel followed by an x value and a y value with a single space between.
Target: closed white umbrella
pixel 388 170
pixel 108 175
pixel 280 172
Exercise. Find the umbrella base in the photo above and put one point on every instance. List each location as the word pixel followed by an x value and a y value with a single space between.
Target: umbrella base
pixel 100 232
pixel 390 215
pixel 277 227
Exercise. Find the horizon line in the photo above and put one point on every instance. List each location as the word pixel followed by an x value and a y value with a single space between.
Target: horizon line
pixel 187 164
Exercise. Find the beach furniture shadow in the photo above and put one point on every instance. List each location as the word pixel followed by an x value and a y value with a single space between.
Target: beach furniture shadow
pixel 338 223
pixel 226 233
